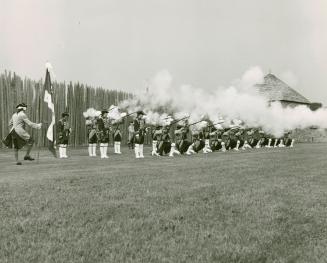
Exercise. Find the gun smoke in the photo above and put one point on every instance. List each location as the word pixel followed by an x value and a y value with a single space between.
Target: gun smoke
pixel 235 104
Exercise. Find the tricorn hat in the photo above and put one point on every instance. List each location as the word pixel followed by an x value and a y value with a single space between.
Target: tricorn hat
pixel 64 114
pixel 140 112
pixel 21 105
pixel 104 111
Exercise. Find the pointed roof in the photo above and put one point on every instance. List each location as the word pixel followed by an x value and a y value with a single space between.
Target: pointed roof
pixel 275 89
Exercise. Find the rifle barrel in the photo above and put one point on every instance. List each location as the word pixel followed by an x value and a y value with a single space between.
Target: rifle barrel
pixel 193 123
pixel 129 114
pixel 179 120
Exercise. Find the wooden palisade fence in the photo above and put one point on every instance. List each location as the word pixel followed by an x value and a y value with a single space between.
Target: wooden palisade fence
pixel 73 98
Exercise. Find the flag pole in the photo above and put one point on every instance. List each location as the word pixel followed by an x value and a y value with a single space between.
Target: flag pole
pixel 38 148
pixel 37 132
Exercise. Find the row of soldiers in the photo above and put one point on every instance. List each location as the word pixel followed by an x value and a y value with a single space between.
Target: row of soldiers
pixel 186 141
pixel 100 128
pixel 208 139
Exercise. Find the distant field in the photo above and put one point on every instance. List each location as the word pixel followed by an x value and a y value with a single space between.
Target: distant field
pixel 265 205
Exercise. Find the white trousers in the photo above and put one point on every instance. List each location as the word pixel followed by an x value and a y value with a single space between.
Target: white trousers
pixel 63 151
pixel 117 147
pixel 138 149
pixel 104 150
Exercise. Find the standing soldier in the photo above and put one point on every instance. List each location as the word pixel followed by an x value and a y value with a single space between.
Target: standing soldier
pixel 139 133
pixel 117 136
pixel 17 136
pixel 131 135
pixel 103 128
pixel 91 124
pixel 63 131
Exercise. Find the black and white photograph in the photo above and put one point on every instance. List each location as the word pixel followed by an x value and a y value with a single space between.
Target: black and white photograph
pixel 163 131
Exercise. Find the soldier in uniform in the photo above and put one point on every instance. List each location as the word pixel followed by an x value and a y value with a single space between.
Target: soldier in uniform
pixel 240 134
pixel 91 124
pixel 206 138
pixel 261 139
pixel 225 140
pixel 255 138
pixel 156 134
pixel 63 131
pixel 103 128
pixel 164 143
pixel 139 133
pixel 214 139
pixel 233 142
pixel 182 144
pixel 281 142
pixel 266 140
pixel 130 135
pixel 197 143
pixel 18 136
pixel 246 138
pixel 288 140
pixel 117 136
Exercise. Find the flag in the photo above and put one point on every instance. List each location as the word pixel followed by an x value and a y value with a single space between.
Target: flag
pixel 48 92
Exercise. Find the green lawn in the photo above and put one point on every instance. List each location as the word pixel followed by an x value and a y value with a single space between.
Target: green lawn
pixel 264 205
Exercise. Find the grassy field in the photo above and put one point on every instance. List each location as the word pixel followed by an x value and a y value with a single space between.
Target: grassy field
pixel 250 206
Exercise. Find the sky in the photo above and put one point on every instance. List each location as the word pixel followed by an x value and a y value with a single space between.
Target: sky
pixel 121 44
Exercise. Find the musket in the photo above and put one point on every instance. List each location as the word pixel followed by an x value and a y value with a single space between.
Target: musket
pixel 179 120
pixel 129 114
pixel 194 123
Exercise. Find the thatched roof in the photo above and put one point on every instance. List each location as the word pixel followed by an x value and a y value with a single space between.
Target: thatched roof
pixel 276 90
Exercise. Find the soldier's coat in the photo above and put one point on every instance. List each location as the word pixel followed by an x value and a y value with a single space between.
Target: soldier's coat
pixel 91 130
pixel 18 136
pixel 18 123
pixel 63 130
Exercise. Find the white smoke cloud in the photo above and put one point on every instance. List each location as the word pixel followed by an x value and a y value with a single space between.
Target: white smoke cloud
pixel 91 113
pixel 238 102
